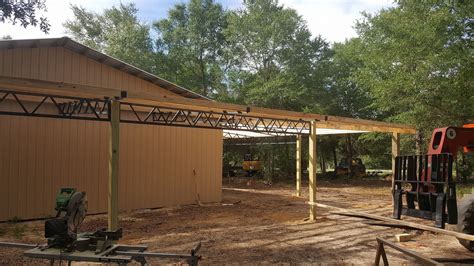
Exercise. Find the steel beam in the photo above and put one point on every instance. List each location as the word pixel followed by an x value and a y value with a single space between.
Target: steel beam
pixel 69 107
pixel 52 106
pixel 159 115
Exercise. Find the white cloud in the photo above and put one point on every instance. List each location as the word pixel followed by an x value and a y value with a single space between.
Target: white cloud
pixel 334 20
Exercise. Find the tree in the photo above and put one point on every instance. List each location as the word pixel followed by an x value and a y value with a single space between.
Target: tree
pixel 116 32
pixel 418 64
pixel 345 96
pixel 190 46
pixel 274 59
pixel 24 12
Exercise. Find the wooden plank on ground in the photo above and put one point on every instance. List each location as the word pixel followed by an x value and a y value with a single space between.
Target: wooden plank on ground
pixel 405 223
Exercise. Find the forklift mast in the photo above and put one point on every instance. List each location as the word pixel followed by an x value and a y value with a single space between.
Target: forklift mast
pixel 426 181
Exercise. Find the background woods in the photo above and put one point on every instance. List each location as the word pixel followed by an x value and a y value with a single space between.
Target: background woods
pixel 411 63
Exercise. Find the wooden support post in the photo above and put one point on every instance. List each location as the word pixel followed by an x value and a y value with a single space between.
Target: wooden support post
pixel 395 153
pixel 298 165
pixel 113 165
pixel 312 163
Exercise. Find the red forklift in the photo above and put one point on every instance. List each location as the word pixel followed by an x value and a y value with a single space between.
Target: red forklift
pixel 426 182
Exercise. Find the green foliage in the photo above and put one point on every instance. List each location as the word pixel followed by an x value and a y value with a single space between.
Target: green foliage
pixel 346 97
pixel 417 63
pixel 411 63
pixel 24 12
pixel 190 46
pixel 116 32
pixel 14 220
pixel 18 230
pixel 274 60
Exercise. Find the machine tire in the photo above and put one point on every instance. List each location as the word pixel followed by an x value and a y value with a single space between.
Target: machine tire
pixel 466 220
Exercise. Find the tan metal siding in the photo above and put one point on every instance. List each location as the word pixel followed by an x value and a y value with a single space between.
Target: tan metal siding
pixel 157 165
pixel 62 65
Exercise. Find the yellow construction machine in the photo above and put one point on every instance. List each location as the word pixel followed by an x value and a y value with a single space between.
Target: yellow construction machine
pixel 251 165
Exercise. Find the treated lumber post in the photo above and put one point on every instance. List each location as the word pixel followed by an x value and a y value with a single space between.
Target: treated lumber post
pixel 312 160
pixel 113 164
pixel 298 165
pixel 395 153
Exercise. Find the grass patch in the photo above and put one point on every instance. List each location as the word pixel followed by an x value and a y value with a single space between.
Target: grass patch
pixel 18 231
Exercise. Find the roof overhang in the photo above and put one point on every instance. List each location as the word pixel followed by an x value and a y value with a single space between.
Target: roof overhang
pixel 237 134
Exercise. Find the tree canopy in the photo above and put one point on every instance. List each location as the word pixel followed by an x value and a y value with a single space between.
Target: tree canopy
pixel 411 63
pixel 116 31
pixel 190 46
pixel 25 13
pixel 417 63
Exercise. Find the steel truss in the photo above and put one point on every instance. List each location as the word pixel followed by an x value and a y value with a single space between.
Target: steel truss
pixel 245 140
pixel 149 114
pixel 69 107
pixel 54 106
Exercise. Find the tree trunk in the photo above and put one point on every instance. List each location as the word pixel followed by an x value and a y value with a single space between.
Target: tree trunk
pixel 323 164
pixel 350 154
pixel 419 142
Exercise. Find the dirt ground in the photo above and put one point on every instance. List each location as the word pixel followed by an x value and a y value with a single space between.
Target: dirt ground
pixel 262 224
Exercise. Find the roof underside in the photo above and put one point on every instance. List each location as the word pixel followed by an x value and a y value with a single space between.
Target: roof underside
pixel 237 134
pixel 102 58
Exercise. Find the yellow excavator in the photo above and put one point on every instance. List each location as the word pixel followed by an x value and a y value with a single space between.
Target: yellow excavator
pixel 251 165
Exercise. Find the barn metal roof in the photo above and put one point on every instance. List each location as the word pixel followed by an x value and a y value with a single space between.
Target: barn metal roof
pixel 89 52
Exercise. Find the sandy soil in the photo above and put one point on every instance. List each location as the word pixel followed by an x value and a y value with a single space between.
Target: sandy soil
pixel 266 225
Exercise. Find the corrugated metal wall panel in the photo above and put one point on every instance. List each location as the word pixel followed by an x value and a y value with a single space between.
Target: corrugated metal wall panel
pixel 62 65
pixel 157 165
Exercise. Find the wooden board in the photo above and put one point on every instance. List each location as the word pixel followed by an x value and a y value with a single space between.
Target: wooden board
pixel 405 223
pixel 141 97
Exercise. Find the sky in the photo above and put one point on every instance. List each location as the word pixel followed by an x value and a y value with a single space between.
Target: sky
pixel 332 19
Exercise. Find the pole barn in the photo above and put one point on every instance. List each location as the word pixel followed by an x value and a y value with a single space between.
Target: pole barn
pixel 159 166
pixel 71 116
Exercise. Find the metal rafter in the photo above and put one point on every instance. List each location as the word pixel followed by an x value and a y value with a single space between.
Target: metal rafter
pixel 70 107
pixel 157 115
pixel 55 106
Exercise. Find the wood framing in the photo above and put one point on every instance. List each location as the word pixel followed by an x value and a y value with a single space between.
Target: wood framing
pixel 114 165
pixel 298 165
pixel 312 163
pixel 395 153
pixel 166 100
